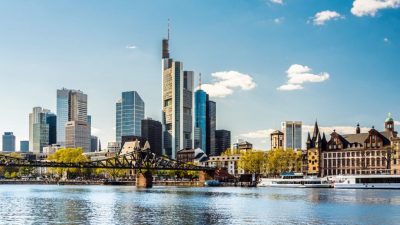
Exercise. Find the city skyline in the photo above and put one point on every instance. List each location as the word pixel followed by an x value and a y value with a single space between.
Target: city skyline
pixel 258 74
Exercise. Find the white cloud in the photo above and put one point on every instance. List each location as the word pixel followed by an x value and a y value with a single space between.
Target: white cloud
pixel 371 7
pixel 131 47
pixel 95 131
pixel 321 18
pixel 226 82
pixel 279 20
pixel 277 1
pixel 298 75
pixel 338 129
pixel 290 87
pixel 397 123
pixel 386 40
pixel 257 134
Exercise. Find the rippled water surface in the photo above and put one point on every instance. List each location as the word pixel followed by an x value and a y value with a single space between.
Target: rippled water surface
pixel 173 205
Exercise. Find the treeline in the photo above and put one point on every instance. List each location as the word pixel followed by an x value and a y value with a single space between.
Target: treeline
pixel 270 163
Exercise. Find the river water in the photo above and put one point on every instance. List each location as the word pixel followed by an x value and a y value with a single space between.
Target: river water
pixel 40 204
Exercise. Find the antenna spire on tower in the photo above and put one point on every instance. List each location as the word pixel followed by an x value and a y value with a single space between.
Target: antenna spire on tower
pixel 200 81
pixel 168 28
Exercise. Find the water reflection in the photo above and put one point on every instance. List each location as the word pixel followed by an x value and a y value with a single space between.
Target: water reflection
pixel 170 205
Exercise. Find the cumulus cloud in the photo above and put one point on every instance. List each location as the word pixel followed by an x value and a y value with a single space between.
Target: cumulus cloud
pixel 298 75
pixel 339 129
pixel 321 18
pixel 397 123
pixel 257 134
pixel 226 82
pixel 277 1
pixel 371 7
pixel 279 20
pixel 131 47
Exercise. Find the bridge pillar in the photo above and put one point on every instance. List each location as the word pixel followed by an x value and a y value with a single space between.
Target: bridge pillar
pixel 204 176
pixel 144 180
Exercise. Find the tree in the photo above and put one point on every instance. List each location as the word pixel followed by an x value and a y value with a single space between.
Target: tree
pixel 68 155
pixel 280 161
pixel 253 162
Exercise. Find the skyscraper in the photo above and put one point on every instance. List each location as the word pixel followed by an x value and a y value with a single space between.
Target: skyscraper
pixel 222 141
pixel 211 127
pixel 8 142
pixel 152 132
pixel 130 110
pixel 24 146
pixel 177 101
pixel 293 132
pixel 200 119
pixel 42 129
pixel 72 107
pixel 94 140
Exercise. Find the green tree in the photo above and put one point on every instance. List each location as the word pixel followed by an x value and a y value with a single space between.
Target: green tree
pixel 253 162
pixel 68 155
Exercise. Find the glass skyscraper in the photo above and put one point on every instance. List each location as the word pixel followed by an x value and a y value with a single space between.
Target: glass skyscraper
pixel 72 107
pixel 24 146
pixel 42 129
pixel 8 142
pixel 211 127
pixel 130 112
pixel 200 120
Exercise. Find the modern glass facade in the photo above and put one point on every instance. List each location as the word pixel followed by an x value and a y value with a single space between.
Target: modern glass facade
pixel 200 120
pixel 222 141
pixel 293 134
pixel 40 133
pixel 72 107
pixel 152 132
pixel 8 142
pixel 129 115
pixel 211 127
pixel 62 114
pixel 24 146
pixel 51 120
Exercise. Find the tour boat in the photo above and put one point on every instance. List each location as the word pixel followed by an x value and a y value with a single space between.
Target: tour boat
pixel 366 181
pixel 295 180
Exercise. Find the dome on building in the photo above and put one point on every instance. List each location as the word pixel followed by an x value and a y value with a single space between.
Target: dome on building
pixel 389 118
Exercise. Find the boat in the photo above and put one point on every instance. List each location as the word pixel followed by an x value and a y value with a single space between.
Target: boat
pixel 212 183
pixel 378 181
pixel 295 180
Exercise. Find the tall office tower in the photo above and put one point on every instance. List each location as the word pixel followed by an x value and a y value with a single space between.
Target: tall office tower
pixel 200 119
pixel 94 140
pixel 42 129
pixel 152 132
pixel 293 132
pixel 8 142
pixel 222 141
pixel 24 146
pixel 130 111
pixel 177 101
pixel 34 118
pixel 77 135
pixel 51 120
pixel 72 107
pixel 89 121
pixel 211 127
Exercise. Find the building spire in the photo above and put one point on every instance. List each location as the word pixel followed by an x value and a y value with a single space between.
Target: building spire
pixel 168 29
pixel 199 81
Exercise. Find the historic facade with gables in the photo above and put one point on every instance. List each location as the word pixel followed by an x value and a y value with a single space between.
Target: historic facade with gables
pixel 349 154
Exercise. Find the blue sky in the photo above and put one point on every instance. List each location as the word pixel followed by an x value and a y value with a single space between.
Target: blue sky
pixel 345 59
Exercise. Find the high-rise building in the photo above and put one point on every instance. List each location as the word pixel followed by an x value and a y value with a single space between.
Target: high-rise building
pixel 200 119
pixel 222 141
pixel 51 120
pixel 177 101
pixel 72 107
pixel 24 146
pixel 130 110
pixel 293 132
pixel 42 129
pixel 8 142
pixel 77 135
pixel 152 132
pixel 94 140
pixel 211 127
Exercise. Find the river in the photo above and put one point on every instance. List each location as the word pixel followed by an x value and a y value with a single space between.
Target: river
pixel 41 204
